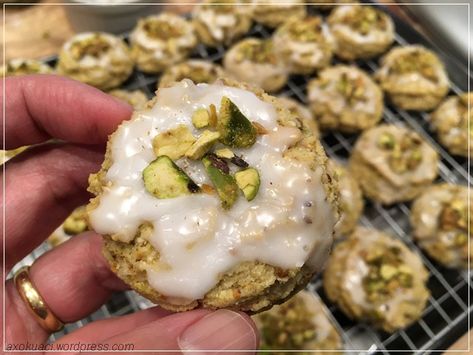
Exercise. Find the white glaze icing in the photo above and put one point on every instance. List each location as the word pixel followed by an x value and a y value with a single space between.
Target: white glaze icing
pixel 198 241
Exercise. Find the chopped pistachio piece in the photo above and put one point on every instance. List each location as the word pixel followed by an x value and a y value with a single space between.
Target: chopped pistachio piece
pixel 461 239
pixel 248 181
pixel 201 118
pixel 213 116
pixel 235 129
pixel 260 129
pixel 224 183
pixel 420 61
pixel 164 179
pixel 259 51
pixel 224 153
pixel 173 143
pixel 404 154
pixel 202 145
pixel 388 271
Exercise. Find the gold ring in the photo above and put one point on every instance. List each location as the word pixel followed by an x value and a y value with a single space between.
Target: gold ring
pixel 34 302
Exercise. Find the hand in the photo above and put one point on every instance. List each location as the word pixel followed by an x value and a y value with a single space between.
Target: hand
pixel 42 187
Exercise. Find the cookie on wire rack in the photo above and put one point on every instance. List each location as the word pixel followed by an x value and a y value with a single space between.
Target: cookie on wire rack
pixel 345 98
pixel 96 58
pixel 413 78
pixel 360 31
pixel 159 41
pixel 450 122
pixel 439 219
pixel 255 61
pixel 393 163
pixel 218 23
pixel 199 71
pixel 304 44
pixel 302 323
pixel 374 277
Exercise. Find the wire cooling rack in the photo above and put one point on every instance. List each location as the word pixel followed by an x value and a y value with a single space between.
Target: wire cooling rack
pixel 446 316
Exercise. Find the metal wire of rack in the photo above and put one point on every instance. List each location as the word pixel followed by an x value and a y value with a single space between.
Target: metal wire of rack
pixel 446 316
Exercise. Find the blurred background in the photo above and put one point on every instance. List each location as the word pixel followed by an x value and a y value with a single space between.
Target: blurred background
pixel 33 31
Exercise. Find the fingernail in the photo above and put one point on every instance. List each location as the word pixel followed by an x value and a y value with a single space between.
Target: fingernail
pixel 220 330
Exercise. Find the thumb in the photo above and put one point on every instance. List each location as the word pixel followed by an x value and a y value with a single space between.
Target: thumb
pixel 194 331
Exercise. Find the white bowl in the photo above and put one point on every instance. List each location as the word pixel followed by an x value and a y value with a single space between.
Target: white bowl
pixel 108 15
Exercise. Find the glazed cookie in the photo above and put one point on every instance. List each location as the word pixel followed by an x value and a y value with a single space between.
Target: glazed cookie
pixel 75 224
pixel 360 31
pixel 220 24
pixel 160 41
pixel 413 77
pixel 135 98
pixel 98 59
pixel 393 164
pixel 346 99
pixel 439 219
pixel 199 71
pixel 255 61
pixel 351 200
pixel 26 66
pixel 272 14
pixel 450 121
pixel 304 44
pixel 302 323
pixel 301 111
pixel 375 278
pixel 214 197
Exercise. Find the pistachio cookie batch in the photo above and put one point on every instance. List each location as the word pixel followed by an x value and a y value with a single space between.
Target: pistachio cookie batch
pixel 302 323
pixel 215 196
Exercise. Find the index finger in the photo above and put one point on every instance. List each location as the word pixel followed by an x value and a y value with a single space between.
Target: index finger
pixel 40 107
